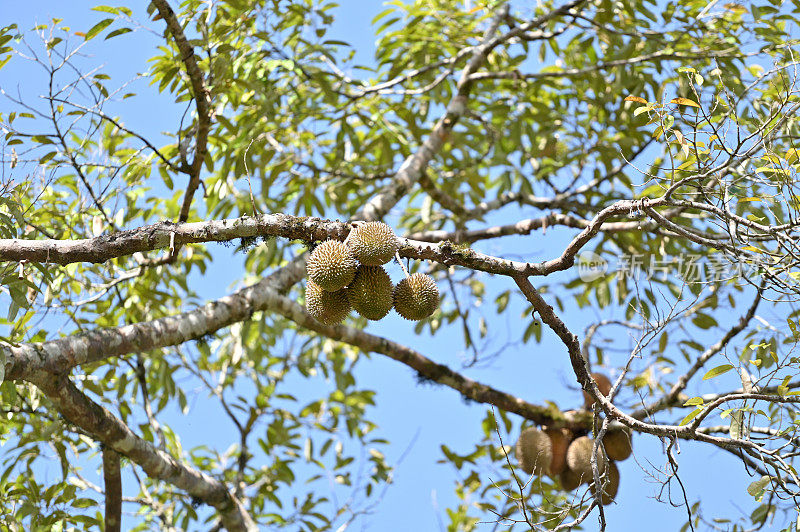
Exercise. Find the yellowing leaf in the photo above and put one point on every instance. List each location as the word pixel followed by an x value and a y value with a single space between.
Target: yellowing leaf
pixel 749 199
pixel 635 99
pixel 641 110
pixel 684 101
pixel 719 370
pixel 736 8
pixel 694 401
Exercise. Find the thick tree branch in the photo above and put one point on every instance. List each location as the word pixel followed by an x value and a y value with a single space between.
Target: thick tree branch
pixel 201 98
pixel 580 368
pixel 112 482
pixel 526 227
pixel 427 368
pixel 27 361
pixel 64 353
pixel 78 409
pixel 414 166
pixel 165 235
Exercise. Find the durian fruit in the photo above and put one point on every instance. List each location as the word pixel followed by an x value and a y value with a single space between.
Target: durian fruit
pixel 603 383
pixel 370 293
pixel 533 450
pixel 617 442
pixel 559 442
pixel 331 265
pixel 326 307
pixel 610 484
pixel 569 480
pixel 373 243
pixel 416 297
pixel 579 458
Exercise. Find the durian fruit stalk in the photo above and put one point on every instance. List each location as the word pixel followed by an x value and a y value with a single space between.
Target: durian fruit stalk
pixel 331 265
pixel 326 307
pixel 603 383
pixel 373 243
pixel 416 297
pixel 610 483
pixel 534 451
pixel 617 442
pixel 370 293
pixel 579 458
pixel 559 442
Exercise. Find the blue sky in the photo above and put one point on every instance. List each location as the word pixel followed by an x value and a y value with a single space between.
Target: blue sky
pixel 416 419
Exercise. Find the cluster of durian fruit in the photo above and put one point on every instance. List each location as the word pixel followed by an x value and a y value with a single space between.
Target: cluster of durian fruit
pixel 349 275
pixel 557 453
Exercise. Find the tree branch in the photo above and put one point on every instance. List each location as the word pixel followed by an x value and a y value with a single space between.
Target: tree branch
pixel 428 369
pixel 414 166
pixel 672 398
pixel 201 98
pixel 78 409
pixel 166 235
pixel 112 481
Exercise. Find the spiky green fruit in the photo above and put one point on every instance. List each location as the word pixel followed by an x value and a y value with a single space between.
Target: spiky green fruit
pixel 416 297
pixel 370 293
pixel 534 451
pixel 326 307
pixel 331 265
pixel 579 458
pixel 373 243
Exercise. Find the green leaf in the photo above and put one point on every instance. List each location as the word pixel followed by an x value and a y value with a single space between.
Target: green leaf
pixel 694 401
pixel 97 28
pixel 47 157
pixel 120 31
pixel 693 414
pixel 757 487
pixel 105 9
pixel 719 370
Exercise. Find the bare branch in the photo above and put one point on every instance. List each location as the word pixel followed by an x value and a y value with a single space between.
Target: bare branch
pixel 672 397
